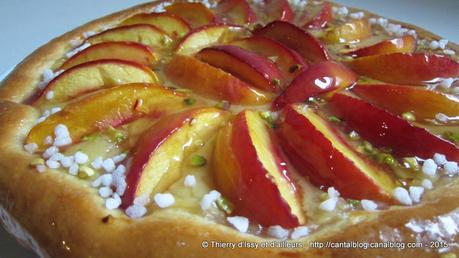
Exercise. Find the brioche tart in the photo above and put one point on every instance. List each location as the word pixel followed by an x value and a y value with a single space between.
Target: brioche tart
pixel 234 128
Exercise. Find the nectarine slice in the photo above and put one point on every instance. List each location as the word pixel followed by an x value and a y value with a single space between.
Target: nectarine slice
pixel 318 151
pixel 310 48
pixel 196 14
pixel 398 99
pixel 148 35
pixel 289 62
pixel 405 44
pixel 402 68
pixel 172 24
pixel 128 51
pixel 108 107
pixel 236 12
pixel 157 158
pixel 94 75
pixel 321 18
pixel 189 72
pixel 317 79
pixel 384 129
pixel 207 36
pixel 252 68
pixel 278 10
pixel 248 167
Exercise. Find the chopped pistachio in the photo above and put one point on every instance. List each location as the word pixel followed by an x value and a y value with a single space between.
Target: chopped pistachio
pixel 85 172
pixel 115 134
pixel 225 205
pixel 276 82
pixel 315 100
pixel 368 148
pixel 268 117
pixel 334 119
pixel 223 105
pixel 353 135
pixel 451 136
pixel 189 101
pixel 354 203
pixel 408 116
pixel 37 161
pixel 295 68
pixel 120 137
pixel 165 41
pixel 389 160
pixel 198 161
pixel 411 163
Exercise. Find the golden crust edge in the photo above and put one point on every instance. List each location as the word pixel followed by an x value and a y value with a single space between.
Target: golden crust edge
pixel 75 229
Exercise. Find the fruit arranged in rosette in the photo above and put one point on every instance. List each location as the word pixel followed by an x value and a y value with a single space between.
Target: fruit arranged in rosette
pixel 259 109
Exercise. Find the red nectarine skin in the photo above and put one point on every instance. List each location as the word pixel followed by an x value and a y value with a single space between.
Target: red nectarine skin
pixel 310 48
pixel 196 14
pixel 279 10
pixel 189 72
pixel 123 50
pixel 286 59
pixel 317 79
pixel 109 107
pixel 321 19
pixel 250 67
pixel 410 69
pixel 398 99
pixel 235 12
pixel 258 196
pixel 405 44
pixel 316 155
pixel 383 129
